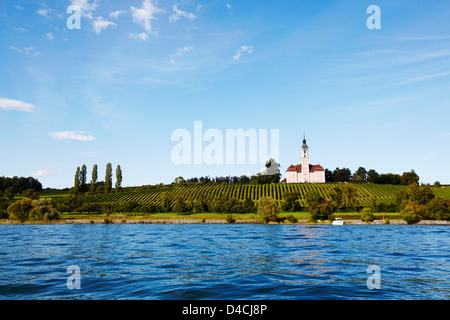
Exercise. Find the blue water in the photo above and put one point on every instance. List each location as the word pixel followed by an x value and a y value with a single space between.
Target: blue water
pixel 148 261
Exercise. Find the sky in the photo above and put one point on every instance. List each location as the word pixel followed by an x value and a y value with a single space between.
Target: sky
pixel 116 89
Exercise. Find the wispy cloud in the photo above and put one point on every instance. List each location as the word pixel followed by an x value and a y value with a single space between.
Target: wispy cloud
pixel 50 36
pixel 11 104
pixel 180 13
pixel 429 156
pixel 425 77
pixel 139 36
pixel 29 51
pixel 116 14
pixel 183 50
pixel 144 15
pixel 19 29
pixel 425 38
pixel 44 12
pixel 243 49
pixel 47 172
pixel 87 8
pixel 72 135
pixel 100 24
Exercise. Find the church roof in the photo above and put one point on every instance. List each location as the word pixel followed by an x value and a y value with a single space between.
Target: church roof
pixel 312 168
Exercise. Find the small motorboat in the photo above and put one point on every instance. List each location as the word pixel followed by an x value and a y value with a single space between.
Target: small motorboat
pixel 338 222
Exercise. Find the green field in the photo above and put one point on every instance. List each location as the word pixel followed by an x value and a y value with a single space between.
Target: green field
pixel 155 195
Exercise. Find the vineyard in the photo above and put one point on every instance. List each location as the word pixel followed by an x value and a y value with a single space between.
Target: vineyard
pixel 365 193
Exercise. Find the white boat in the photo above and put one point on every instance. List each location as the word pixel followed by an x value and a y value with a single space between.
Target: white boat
pixel 338 222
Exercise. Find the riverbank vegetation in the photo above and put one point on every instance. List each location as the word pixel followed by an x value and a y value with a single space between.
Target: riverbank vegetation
pixel 264 203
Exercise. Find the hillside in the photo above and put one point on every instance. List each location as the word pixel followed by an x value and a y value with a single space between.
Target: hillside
pixel 155 195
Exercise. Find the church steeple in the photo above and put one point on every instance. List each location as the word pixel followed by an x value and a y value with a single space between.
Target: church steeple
pixel 305 161
pixel 304 141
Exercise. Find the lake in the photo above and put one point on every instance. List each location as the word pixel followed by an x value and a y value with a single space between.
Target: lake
pixel 252 262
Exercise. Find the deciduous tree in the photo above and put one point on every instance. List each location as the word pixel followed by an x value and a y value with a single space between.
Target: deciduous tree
pixel 108 178
pixel 118 178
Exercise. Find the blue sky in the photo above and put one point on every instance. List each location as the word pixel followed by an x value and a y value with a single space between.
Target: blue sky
pixel 116 89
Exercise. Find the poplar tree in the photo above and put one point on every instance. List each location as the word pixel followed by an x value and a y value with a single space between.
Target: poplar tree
pixel 118 178
pixel 108 178
pixel 94 179
pixel 76 185
pixel 83 175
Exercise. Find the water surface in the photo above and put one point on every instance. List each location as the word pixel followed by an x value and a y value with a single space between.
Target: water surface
pixel 149 261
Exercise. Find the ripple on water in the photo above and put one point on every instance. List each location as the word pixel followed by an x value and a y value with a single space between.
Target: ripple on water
pixel 224 261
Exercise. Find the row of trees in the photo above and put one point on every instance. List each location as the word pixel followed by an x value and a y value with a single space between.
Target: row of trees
pixel 243 179
pixel 420 203
pixel 362 175
pixel 19 184
pixel 337 175
pixel 81 186
pixel 29 209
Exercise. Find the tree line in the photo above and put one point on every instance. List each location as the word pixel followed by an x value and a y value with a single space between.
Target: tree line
pixel 361 175
pixel 243 179
pixel 19 184
pixel 414 204
pixel 95 186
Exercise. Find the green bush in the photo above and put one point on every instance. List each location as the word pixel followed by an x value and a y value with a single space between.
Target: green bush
pixel 411 218
pixel 267 210
pixel 291 219
pixel 413 212
pixel 291 202
pixel 229 219
pixel 367 215
pixel 322 211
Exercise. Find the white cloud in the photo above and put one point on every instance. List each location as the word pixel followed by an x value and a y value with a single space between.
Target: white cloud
pixel 181 51
pixel 29 51
pixel 228 6
pixel 139 36
pixel 116 14
pixel 180 13
pixel 50 36
pixel 47 172
pixel 145 14
pixel 10 104
pixel 44 12
pixel 425 78
pixel 243 49
pixel 19 7
pixel 72 135
pixel 43 173
pixel 87 8
pixel 20 29
pixel 100 24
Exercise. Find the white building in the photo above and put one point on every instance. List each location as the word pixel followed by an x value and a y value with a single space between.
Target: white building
pixel 305 172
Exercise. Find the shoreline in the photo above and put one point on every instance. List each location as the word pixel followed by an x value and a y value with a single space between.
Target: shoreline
pixel 213 221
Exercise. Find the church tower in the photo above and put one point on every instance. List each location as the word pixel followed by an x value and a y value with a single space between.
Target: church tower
pixel 305 162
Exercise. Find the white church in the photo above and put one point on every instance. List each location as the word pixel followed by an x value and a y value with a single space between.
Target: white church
pixel 305 172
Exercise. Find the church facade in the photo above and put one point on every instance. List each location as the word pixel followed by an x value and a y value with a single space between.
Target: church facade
pixel 305 172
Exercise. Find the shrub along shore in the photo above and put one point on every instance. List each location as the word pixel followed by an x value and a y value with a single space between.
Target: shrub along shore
pixel 224 220
pixel 304 204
